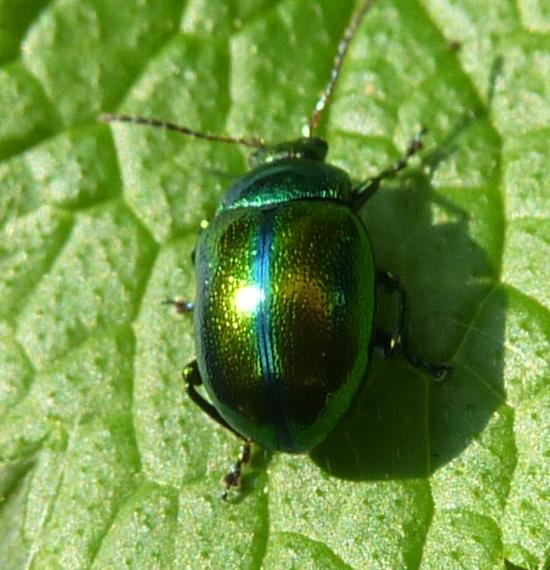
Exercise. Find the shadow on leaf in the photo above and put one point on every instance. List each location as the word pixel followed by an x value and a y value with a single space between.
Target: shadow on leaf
pixel 404 424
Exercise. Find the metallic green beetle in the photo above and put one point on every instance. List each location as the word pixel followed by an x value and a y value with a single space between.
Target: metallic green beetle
pixel 284 305
pixel 284 308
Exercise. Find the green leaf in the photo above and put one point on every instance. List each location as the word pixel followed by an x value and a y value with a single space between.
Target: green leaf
pixel 104 462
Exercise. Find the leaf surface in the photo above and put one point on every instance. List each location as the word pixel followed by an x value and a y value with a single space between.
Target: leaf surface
pixel 104 463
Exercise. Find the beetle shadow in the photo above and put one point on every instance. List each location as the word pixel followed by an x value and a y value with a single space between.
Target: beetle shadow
pixel 404 424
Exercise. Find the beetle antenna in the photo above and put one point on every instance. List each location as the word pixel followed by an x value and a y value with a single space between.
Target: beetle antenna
pixel 343 46
pixel 167 126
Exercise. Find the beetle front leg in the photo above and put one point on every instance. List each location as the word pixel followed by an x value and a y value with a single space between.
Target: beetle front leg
pixel 366 189
pixel 192 379
pixel 396 343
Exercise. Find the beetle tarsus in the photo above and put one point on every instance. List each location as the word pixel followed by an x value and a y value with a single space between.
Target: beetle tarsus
pixel 395 344
pixel 366 189
pixel 436 370
pixel 183 307
pixel 233 479
pixel 391 346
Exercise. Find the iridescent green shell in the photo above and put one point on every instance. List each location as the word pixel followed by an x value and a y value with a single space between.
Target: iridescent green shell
pixel 284 304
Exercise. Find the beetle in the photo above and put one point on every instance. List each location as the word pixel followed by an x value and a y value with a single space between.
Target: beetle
pixel 284 311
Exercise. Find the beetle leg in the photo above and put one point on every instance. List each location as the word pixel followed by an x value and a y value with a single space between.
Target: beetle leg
pixel 233 478
pixel 367 188
pixel 183 306
pixel 192 379
pixel 396 343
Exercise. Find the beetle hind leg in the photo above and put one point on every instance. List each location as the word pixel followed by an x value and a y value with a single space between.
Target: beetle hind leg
pixel 192 379
pixel 233 479
pixel 395 344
